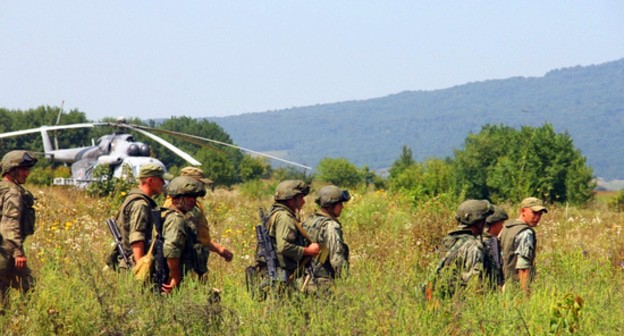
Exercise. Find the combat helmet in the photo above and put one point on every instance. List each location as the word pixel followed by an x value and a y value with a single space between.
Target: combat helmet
pixel 330 195
pixel 498 215
pixel 185 186
pixel 472 211
pixel 17 158
pixel 289 189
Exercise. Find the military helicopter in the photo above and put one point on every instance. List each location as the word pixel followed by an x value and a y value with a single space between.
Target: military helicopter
pixel 119 150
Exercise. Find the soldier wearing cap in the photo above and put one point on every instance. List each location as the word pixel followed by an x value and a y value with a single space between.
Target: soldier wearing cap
pixel 199 224
pixel 134 216
pixel 287 235
pixel 462 255
pixel 325 229
pixel 519 242
pixel 494 262
pixel 17 222
pixel 179 238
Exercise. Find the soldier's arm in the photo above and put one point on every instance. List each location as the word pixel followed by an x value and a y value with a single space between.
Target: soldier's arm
pixel 286 236
pixel 139 224
pixel 175 240
pixel 10 225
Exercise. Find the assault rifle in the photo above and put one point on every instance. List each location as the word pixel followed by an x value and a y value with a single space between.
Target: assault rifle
pixel 265 247
pixel 114 230
pixel 160 266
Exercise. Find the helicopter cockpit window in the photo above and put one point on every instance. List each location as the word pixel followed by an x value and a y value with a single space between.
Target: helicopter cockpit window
pixel 145 150
pixel 134 150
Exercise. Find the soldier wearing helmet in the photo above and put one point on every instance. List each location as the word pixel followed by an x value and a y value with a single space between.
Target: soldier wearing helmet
pixel 325 229
pixel 494 261
pixel 17 222
pixel 134 219
pixel 179 237
pixel 519 242
pixel 199 224
pixel 462 255
pixel 287 235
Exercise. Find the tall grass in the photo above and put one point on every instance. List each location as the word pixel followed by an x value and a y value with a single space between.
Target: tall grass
pixel 392 241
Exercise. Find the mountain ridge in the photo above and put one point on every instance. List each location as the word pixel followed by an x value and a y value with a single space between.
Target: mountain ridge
pixel 585 101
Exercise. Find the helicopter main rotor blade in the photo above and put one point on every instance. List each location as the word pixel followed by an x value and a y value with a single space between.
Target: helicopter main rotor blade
pixel 190 136
pixel 45 128
pixel 163 142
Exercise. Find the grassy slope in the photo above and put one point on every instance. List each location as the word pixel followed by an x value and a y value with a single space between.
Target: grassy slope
pixel 391 252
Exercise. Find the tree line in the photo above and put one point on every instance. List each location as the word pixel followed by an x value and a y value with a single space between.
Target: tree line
pixel 500 163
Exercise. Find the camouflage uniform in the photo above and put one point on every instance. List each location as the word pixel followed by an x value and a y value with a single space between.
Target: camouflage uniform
pixel 17 223
pixel 519 241
pixel 326 230
pixel 518 246
pixel 287 240
pixel 462 262
pixel 195 219
pixel 180 240
pixel 494 260
pixel 134 218
pixel 135 223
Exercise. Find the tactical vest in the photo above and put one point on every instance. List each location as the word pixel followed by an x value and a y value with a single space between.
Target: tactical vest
pixel 508 236
pixel 123 216
pixel 285 263
pixel 27 218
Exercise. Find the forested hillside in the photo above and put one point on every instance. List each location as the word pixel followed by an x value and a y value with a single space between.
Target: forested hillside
pixel 587 102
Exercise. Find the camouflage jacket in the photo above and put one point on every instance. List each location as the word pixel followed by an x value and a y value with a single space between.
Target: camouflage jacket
pixel 18 217
pixel 286 238
pixel 179 240
pixel 326 230
pixel 462 262
pixel 134 219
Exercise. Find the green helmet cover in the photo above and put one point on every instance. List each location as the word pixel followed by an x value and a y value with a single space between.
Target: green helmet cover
pixel 330 195
pixel 17 158
pixel 471 212
pixel 185 186
pixel 289 189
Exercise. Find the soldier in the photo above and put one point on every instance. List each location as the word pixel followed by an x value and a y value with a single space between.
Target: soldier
pixel 519 242
pixel 180 239
pixel 287 235
pixel 17 223
pixel 462 254
pixel 493 226
pixel 325 229
pixel 199 224
pixel 134 218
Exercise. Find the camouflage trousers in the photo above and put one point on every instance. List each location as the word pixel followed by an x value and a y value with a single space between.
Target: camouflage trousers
pixel 12 277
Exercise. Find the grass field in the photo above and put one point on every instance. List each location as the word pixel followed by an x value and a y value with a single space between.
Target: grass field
pixel 578 288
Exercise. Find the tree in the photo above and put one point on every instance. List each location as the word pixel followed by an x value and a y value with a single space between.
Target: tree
pixel 340 172
pixel 502 163
pixel 252 168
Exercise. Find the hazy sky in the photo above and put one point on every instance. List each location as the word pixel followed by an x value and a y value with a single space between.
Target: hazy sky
pixel 155 59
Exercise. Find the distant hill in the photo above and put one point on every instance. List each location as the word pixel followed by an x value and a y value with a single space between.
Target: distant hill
pixel 587 102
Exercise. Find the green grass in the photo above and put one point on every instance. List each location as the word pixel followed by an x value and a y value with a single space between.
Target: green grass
pixel 392 243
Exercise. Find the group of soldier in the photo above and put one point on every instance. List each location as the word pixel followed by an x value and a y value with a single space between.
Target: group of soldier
pixel 486 250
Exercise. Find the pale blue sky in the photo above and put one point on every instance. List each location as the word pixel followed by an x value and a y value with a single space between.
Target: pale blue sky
pixel 155 59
